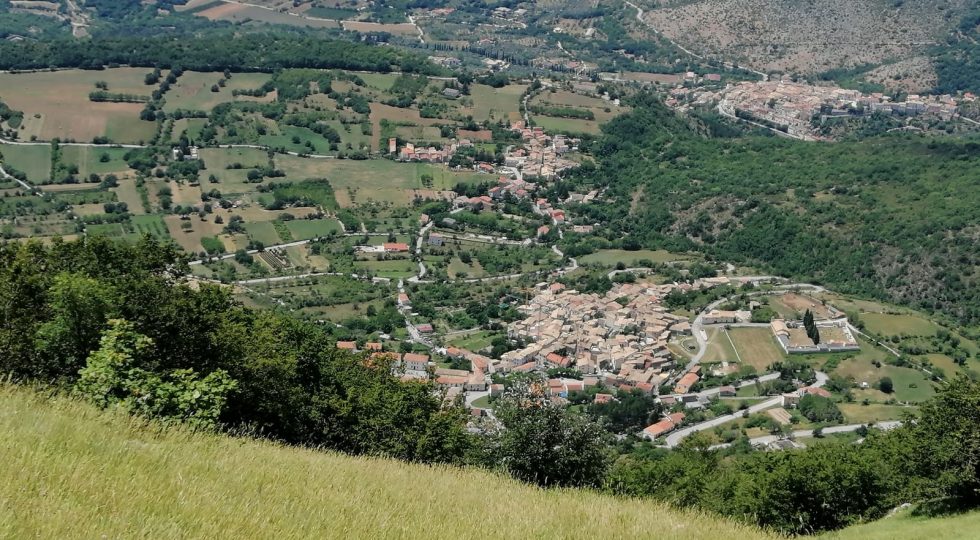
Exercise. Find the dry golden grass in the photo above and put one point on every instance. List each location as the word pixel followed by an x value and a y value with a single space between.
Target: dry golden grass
pixel 70 471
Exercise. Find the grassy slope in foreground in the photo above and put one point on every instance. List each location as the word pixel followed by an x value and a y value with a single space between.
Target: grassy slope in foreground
pixel 71 471
pixel 905 526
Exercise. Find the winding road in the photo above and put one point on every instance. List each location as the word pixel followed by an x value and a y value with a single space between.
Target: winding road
pixel 677 436
pixel 800 433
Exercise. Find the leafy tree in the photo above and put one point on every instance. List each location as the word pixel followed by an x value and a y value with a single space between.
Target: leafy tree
pixel 541 442
pixel 885 385
pixel 79 307
pixel 819 409
pixel 111 377
pixel 629 413
pixel 942 447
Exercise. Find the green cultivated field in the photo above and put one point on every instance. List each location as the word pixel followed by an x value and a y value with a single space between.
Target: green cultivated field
pixel 304 229
pixel 496 103
pixel 34 161
pixel 153 225
pixel 263 231
pixel 889 325
pixel 856 413
pixel 566 125
pixel 89 160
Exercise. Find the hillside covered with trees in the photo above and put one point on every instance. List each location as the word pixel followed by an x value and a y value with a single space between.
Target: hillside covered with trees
pixel 891 217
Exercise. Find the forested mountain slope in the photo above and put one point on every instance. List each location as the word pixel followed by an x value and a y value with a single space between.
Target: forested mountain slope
pixel 893 217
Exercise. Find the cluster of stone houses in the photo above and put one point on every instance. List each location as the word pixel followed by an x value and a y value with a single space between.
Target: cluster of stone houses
pixel 415 366
pixel 620 336
pixel 430 154
pixel 541 154
pixel 457 381
pixel 836 337
pixel 716 316
pixel 516 187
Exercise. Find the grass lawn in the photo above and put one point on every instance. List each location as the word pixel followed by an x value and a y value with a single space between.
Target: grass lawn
pixel 905 525
pixel 128 193
pixel 380 81
pixel 473 270
pixel 719 347
pixel 191 126
pixel 747 391
pixel 888 324
pixel 793 306
pixel 611 257
pixel 482 402
pixel 126 127
pixel 231 181
pixel 474 341
pixel 34 161
pixel 389 269
pixel 756 347
pixel 282 136
pixel 856 413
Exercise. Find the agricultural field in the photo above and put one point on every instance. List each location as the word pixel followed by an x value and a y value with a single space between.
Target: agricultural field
pixel 857 413
pixel 56 105
pixel 756 347
pixel 571 126
pixel 193 90
pixel 242 13
pixel 887 324
pixel 98 161
pixel 358 182
pixel 495 103
pixel 34 161
pixel 564 111
pixel 405 29
pixel 304 229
